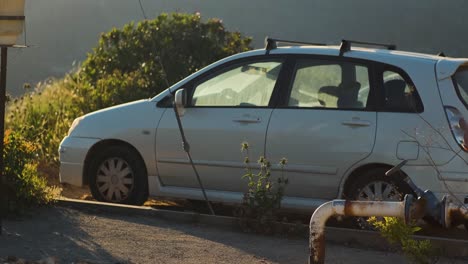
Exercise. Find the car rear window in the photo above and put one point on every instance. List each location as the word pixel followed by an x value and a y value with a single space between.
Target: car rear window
pixel 460 80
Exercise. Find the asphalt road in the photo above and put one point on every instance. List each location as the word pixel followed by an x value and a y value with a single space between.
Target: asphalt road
pixel 73 236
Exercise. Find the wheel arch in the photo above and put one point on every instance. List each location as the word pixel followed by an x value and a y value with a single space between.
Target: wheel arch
pixel 101 145
pixel 355 174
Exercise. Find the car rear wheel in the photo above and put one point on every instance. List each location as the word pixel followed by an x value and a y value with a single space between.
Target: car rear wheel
pixel 374 185
pixel 118 175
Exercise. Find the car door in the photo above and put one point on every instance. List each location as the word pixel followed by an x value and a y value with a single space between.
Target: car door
pixel 226 107
pixel 325 124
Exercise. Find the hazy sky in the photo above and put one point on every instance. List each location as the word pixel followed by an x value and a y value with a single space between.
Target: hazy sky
pixel 60 32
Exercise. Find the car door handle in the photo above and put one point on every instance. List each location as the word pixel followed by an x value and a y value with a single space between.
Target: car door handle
pixel 356 123
pixel 247 120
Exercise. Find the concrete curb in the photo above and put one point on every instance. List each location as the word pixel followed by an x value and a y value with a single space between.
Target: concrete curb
pixel 350 237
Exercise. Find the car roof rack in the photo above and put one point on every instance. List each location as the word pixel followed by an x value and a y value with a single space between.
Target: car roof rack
pixel 271 43
pixel 346 45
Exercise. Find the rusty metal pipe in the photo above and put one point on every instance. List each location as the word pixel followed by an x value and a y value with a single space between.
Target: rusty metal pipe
pixel 349 208
pixel 454 213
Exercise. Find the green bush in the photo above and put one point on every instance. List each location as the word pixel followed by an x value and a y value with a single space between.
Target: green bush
pixel 397 232
pixel 138 61
pixel 24 186
pixel 44 115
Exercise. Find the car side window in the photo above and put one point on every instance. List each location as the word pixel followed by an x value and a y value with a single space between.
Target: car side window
pixel 400 94
pixel 328 84
pixel 249 84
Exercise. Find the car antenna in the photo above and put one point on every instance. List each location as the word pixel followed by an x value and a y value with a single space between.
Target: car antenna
pixel 185 144
pixel 159 59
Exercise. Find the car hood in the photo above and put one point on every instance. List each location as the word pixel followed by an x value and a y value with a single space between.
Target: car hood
pixel 119 121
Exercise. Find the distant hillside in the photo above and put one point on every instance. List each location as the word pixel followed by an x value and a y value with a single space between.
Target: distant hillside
pixel 63 31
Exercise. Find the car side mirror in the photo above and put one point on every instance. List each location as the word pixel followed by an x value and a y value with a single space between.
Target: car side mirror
pixel 180 101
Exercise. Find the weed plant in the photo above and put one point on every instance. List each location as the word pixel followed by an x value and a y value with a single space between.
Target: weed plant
pixel 262 200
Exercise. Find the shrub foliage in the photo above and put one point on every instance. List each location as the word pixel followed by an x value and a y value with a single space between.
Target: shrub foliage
pixel 24 186
pixel 397 232
pixel 44 115
pixel 140 60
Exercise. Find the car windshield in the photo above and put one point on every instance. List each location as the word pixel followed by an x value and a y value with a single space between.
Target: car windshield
pixel 461 84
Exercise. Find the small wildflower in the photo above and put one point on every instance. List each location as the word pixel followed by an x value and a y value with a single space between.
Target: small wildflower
pixel 244 146
pixel 283 161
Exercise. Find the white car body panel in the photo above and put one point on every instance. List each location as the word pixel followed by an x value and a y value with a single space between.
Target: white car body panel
pixel 134 123
pixel 319 147
pixel 215 139
pixel 73 151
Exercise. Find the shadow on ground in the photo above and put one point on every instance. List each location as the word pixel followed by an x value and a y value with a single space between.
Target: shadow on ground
pixel 51 232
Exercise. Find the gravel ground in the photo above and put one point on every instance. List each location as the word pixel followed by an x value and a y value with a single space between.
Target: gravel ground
pixel 73 236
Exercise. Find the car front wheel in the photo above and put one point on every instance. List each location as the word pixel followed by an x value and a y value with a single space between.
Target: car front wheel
pixel 118 175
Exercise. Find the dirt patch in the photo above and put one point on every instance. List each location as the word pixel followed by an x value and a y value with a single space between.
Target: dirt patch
pixel 74 192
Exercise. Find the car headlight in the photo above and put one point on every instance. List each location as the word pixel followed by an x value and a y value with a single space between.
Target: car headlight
pixel 75 124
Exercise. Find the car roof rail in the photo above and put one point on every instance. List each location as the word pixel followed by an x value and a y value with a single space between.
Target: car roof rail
pixel 271 43
pixel 346 45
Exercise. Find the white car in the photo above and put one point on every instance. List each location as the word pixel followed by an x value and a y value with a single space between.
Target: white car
pixel 341 115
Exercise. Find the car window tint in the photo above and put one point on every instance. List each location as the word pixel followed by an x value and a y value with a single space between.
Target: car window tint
pixel 250 84
pixel 400 95
pixel 322 84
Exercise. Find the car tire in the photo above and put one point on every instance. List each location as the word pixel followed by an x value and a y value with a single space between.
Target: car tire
pixel 374 185
pixel 117 174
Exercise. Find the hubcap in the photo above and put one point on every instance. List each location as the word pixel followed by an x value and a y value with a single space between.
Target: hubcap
pixel 115 179
pixel 379 191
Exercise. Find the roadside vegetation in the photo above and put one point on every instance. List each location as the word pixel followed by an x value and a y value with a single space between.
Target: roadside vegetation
pixel 25 186
pixel 134 62
pixel 262 200
pixel 399 234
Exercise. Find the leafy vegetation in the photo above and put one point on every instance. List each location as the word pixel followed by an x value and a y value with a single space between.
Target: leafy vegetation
pixel 398 233
pixel 263 197
pixel 44 115
pixel 24 186
pixel 139 61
